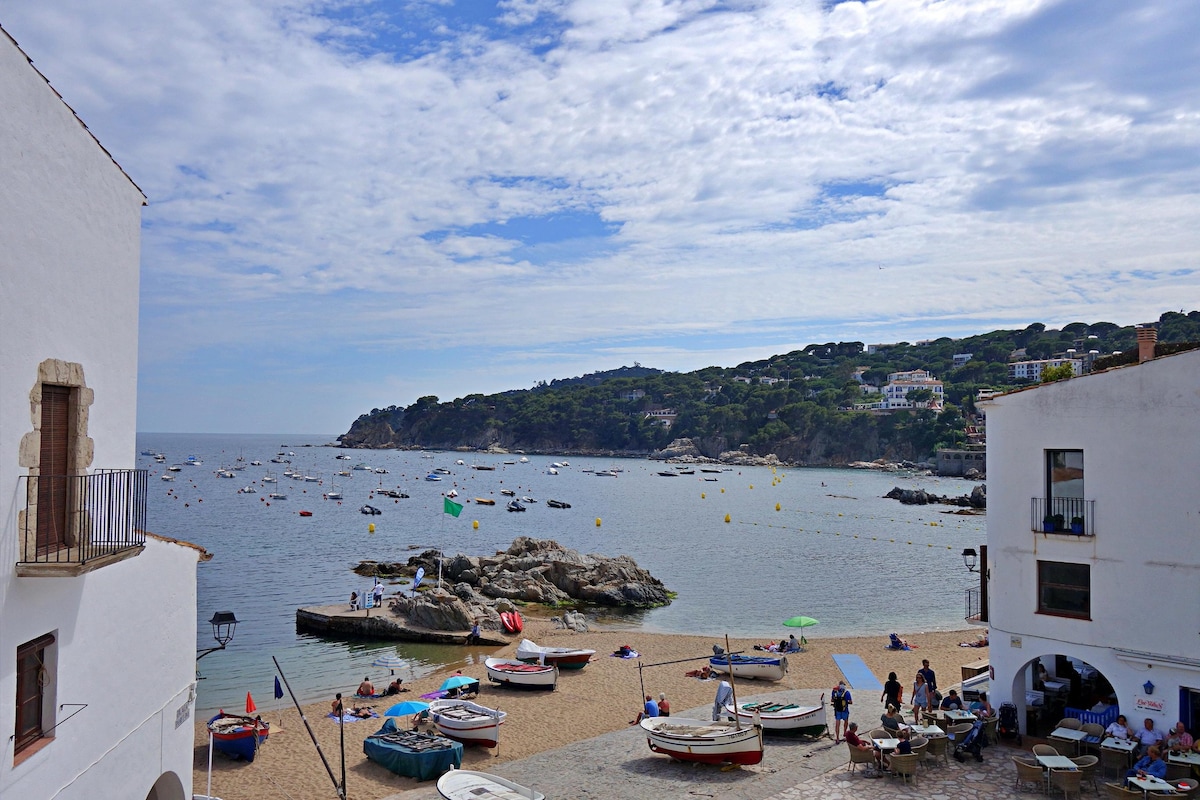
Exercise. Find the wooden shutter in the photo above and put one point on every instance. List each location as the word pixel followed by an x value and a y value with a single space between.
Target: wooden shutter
pixel 31 681
pixel 54 465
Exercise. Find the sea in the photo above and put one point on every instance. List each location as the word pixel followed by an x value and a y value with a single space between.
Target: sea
pixel 742 549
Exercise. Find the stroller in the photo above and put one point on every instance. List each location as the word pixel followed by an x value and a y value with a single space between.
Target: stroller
pixel 1007 728
pixel 971 742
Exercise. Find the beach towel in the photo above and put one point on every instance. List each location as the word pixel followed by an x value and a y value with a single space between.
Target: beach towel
pixel 857 673
pixel 630 654
pixel 375 696
pixel 348 717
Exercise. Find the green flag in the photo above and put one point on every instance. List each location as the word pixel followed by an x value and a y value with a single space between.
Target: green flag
pixel 450 507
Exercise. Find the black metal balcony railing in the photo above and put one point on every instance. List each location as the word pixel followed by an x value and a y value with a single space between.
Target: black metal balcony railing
pixel 974 604
pixel 75 519
pixel 1070 515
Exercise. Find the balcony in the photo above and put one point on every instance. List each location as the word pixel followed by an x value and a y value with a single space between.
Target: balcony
pixel 73 524
pixel 1075 516
pixel 975 607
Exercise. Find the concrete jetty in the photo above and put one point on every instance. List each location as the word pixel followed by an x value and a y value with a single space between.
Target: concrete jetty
pixel 381 623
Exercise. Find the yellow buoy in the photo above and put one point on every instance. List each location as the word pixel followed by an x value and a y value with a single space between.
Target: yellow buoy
pixel 475 524
pixel 597 522
pixel 777 506
pixel 752 486
pixel 727 518
pixel 722 491
pixel 371 528
pixel 702 495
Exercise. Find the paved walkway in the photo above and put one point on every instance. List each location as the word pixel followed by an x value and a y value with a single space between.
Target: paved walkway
pixel 619 765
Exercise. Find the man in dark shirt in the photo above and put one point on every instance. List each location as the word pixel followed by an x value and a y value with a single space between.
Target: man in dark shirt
pixel 951 702
pixel 928 674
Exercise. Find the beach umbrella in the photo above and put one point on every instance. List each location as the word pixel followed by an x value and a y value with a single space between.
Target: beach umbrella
pixel 390 661
pixel 455 682
pixel 407 708
pixel 801 622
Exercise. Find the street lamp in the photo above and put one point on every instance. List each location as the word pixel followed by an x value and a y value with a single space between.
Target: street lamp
pixel 224 624
pixel 969 558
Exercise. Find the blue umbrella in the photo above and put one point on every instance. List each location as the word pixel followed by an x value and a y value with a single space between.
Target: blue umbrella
pixel 407 708
pixel 456 681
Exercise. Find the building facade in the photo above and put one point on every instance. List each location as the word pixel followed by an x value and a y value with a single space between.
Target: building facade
pixel 97 617
pixel 895 393
pixel 1094 545
pixel 1032 370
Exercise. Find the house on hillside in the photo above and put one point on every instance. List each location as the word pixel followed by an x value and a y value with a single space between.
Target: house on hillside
pixel 1093 545
pixel 895 393
pixel 1032 370
pixel 97 616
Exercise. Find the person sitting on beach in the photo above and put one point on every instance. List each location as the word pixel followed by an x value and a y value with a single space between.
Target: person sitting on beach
pixel 422 723
pixel 703 673
pixel 366 688
pixel 664 708
pixel 335 707
pixel 394 687
pixel 649 710
pixel 793 645
pixel 951 702
pixel 362 712
pixel 623 651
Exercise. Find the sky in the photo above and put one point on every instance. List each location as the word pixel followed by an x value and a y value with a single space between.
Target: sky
pixel 356 203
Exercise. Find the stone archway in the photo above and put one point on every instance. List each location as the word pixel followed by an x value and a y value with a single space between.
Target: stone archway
pixel 167 787
pixel 1069 687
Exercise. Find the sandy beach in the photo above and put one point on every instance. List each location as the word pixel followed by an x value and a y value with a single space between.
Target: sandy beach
pixel 600 699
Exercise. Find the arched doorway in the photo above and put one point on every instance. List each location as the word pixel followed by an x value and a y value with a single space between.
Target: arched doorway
pixel 1054 686
pixel 167 787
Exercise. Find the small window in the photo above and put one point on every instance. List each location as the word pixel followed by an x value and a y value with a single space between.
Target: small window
pixel 1065 589
pixel 33 689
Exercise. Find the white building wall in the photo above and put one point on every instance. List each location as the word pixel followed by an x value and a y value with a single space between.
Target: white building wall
pixel 69 263
pixel 1139 429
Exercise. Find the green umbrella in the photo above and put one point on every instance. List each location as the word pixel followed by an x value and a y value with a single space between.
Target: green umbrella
pixel 801 622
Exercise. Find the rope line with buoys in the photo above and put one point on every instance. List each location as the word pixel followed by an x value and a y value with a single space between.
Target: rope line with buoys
pixel 863 536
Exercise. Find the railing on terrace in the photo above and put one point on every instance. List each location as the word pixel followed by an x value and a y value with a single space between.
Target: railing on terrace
pixel 71 520
pixel 1069 515
pixel 974 604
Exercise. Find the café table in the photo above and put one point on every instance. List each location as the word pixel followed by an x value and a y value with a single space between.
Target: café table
pixel 886 745
pixel 1152 784
pixel 1184 757
pixel 956 717
pixel 1055 762
pixel 928 731
pixel 1120 745
pixel 1069 736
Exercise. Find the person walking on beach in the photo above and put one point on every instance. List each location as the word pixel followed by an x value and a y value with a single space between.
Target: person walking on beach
pixel 841 700
pixel 928 674
pixel 922 698
pixel 893 692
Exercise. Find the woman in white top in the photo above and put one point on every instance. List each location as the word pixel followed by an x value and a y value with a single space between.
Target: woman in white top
pixel 1118 729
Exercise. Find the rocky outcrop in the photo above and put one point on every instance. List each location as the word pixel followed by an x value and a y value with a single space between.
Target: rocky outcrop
pixel 919 497
pixel 533 571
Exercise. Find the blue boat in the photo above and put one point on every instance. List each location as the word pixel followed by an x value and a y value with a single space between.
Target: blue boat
pixel 238 736
pixel 423 756
pixel 763 668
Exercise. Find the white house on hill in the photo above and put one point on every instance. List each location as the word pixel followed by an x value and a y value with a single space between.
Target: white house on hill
pixel 1094 545
pixel 97 617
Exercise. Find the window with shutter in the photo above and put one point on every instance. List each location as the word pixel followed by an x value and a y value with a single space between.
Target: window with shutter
pixel 32 682
pixel 53 468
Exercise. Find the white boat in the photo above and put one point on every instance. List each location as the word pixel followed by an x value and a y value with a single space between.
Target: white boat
pixel 432 477
pixel 604 473
pixel 225 472
pixel 763 668
pixel 269 478
pixel 511 672
pixel 552 471
pixel 467 784
pixel 343 473
pixel 167 477
pixel 467 722
pixel 277 496
pixel 561 657
pixel 334 493
pixel 783 717
pixel 361 466
pixel 342 457
pixel 256 463
pixel 247 490
pixel 175 468
pixel 523 460
pixel 705 741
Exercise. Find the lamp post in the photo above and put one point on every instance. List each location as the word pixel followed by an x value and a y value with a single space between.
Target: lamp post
pixel 224 624
pixel 970 560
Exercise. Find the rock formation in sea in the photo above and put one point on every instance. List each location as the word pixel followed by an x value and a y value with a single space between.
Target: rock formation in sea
pixel 919 497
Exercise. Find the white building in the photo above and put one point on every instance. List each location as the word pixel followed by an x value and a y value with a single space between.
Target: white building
pixel 895 393
pixel 1113 607
pixel 97 618
pixel 1032 370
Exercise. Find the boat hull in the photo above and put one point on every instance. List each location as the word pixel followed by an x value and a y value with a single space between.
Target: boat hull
pixel 467 784
pixel 752 667
pixel 561 657
pixel 467 722
pixel 704 742
pixel 802 720
pixel 240 741
pixel 521 674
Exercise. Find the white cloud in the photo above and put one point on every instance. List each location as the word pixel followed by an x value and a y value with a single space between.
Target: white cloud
pixel 362 160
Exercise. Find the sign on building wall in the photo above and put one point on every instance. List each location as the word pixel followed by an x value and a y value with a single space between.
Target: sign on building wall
pixel 1150 704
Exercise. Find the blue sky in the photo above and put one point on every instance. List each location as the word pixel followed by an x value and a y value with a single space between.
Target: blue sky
pixel 355 203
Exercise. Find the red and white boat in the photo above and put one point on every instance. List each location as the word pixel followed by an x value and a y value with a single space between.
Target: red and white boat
pixel 518 673
pixel 561 657
pixel 707 742
pixel 467 722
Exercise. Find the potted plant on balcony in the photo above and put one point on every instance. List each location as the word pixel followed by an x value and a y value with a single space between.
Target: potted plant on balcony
pixel 1077 526
pixel 1060 522
pixel 1048 523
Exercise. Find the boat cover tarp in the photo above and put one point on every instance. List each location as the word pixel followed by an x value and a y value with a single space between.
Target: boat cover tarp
pixel 415 755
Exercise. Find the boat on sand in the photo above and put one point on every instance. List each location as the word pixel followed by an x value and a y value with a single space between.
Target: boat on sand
pixel 467 722
pixel 238 736
pixel 467 784
pixel 704 741
pixel 783 717
pixel 763 668
pixel 561 657
pixel 517 673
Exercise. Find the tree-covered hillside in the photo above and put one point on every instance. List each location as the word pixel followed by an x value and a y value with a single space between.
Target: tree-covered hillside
pixel 797 405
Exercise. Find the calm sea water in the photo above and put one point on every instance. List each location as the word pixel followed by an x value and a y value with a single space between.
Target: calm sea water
pixel 832 550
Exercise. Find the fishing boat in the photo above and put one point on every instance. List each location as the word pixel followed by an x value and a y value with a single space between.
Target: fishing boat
pixel 414 755
pixel 561 657
pixel 669 474
pixel 371 511
pixel 518 673
pixel 508 492
pixel 763 668
pixel 514 505
pixel 485 501
pixel 467 784
pixel 238 736
pixel 557 504
pixel 247 490
pixel 778 717
pixel 704 741
pixel 528 500
pixel 467 722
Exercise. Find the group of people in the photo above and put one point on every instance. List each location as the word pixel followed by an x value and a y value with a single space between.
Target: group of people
pixel 788 645
pixel 1151 743
pixel 653 708
pixel 376 597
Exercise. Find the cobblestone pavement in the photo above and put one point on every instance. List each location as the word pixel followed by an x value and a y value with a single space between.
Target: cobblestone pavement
pixel 619 766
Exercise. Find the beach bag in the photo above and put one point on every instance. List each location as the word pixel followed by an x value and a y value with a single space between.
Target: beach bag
pixel 838 699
